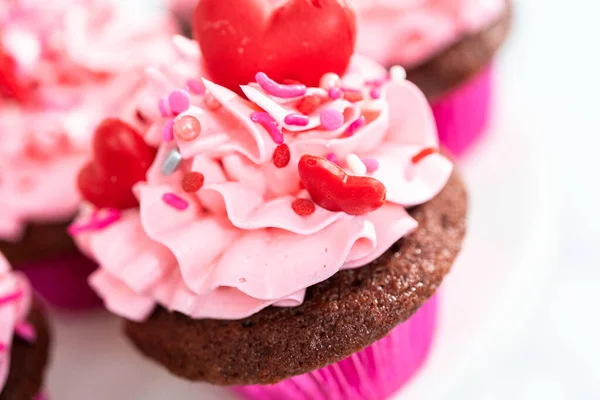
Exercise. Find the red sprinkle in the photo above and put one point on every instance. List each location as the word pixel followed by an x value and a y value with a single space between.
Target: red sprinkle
pixel 303 207
pixel 282 156
pixel 192 182
pixel 353 96
pixel 309 104
pixel 426 152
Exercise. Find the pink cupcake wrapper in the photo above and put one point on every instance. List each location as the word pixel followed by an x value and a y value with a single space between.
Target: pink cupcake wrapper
pixel 62 281
pixel 374 373
pixel 462 116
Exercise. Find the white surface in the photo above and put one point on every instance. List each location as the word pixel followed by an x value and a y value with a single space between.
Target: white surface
pixel 533 339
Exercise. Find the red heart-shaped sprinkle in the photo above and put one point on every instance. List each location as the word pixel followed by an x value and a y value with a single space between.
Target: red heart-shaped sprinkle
pixel 298 40
pixel 331 188
pixel 121 159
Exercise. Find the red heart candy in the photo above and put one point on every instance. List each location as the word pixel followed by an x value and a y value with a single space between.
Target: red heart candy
pixel 299 40
pixel 333 189
pixel 10 85
pixel 121 159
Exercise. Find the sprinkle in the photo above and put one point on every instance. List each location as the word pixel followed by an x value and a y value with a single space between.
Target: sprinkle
pixel 296 119
pixel 335 93
pixel 376 92
pixel 187 128
pixel 356 165
pixel 397 73
pixel 330 81
pixel 279 90
pixel 353 96
pixel 3 347
pixel 179 101
pixel 426 152
pixel 212 104
pixel 99 220
pixel 175 201
pixel 192 182
pixel 164 109
pixel 331 119
pixel 282 156
pixel 171 162
pixel 333 158
pixel 356 125
pixel 196 87
pixel 26 331
pixel 371 163
pixel 167 131
pixel 9 298
pixel 304 207
pixel 309 104
pixel 269 124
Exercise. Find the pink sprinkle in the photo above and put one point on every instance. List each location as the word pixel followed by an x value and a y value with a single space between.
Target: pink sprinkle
pixel 356 125
pixel 9 298
pixel 97 221
pixel 3 347
pixel 335 93
pixel 179 101
pixel 269 124
pixel 376 92
pixel 296 119
pixel 333 158
pixel 175 201
pixel 196 87
pixel 331 119
pixel 371 163
pixel 163 107
pixel 167 131
pixel 26 331
pixel 279 90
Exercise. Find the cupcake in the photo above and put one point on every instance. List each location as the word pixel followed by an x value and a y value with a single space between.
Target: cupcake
pixel 24 338
pixel 285 237
pixel 64 66
pixel 447 47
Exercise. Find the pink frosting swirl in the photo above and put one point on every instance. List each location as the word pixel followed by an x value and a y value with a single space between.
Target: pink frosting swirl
pixel 236 246
pixel 79 59
pixel 15 303
pixel 408 32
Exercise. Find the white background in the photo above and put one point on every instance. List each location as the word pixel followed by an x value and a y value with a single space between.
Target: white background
pixel 550 69
pixel 552 65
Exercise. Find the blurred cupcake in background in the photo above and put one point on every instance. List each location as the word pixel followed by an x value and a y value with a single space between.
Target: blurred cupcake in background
pixel 64 66
pixel 24 338
pixel 183 11
pixel 447 48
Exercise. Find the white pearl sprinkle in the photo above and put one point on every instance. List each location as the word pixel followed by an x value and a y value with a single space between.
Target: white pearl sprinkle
pixel 397 73
pixel 356 165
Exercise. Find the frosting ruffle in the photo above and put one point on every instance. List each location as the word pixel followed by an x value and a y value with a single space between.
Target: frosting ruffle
pixel 408 32
pixel 239 246
pixel 15 303
pixel 79 60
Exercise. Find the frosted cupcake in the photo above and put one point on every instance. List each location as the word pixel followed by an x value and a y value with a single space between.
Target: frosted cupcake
pixel 448 47
pixel 24 338
pixel 289 242
pixel 65 65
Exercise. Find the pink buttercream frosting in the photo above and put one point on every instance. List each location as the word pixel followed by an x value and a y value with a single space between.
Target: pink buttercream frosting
pixel 15 303
pixel 80 60
pixel 408 32
pixel 236 246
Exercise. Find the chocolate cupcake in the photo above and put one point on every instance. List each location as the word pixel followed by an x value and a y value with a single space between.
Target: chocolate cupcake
pixel 24 338
pixel 52 95
pixel 447 48
pixel 290 241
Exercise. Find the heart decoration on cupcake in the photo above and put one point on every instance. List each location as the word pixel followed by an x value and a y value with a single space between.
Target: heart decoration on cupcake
pixel 298 40
pixel 121 159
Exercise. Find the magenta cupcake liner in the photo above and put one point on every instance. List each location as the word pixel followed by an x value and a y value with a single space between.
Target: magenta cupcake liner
pixel 462 116
pixel 374 373
pixel 62 281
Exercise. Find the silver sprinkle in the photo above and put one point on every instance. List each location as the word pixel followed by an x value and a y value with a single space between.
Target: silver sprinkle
pixel 171 162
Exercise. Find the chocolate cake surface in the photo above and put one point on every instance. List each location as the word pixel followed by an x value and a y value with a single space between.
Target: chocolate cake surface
pixel 462 61
pixel 28 361
pixel 340 316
